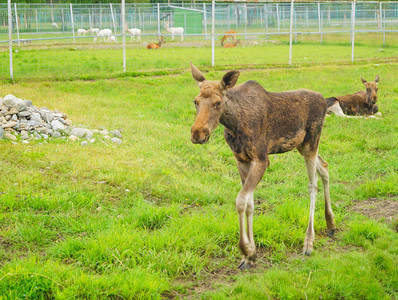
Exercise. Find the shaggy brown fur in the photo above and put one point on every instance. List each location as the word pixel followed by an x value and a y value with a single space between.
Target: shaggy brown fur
pixel 259 123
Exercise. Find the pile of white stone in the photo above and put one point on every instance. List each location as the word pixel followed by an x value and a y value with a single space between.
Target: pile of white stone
pixel 21 120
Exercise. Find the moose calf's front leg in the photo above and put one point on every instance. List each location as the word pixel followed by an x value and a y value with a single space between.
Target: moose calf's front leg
pixel 245 208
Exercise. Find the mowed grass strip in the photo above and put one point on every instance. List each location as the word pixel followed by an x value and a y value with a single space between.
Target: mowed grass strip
pixel 96 61
pixel 155 217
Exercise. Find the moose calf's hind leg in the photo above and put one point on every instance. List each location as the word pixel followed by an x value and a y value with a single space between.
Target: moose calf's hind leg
pixel 310 161
pixel 322 169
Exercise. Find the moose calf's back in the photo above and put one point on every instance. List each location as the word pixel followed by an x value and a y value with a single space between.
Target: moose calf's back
pixel 277 122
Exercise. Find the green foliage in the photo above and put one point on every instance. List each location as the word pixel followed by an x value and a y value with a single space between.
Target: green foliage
pixel 363 232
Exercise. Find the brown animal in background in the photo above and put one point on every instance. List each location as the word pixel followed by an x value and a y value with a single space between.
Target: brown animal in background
pixel 232 45
pixel 361 103
pixel 259 123
pixel 156 46
pixel 229 34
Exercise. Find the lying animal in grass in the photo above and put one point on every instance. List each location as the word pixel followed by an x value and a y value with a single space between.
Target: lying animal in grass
pixel 231 45
pixel 156 46
pixel 362 103
pixel 229 34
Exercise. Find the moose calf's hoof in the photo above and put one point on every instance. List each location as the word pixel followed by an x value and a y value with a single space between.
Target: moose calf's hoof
pixel 245 264
pixel 331 232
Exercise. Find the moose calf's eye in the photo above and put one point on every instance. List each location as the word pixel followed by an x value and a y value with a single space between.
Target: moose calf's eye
pixel 217 104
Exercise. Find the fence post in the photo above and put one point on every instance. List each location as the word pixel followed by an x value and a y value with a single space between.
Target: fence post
pixel 229 18
pixel 213 18
pixel 158 20
pixel 101 17
pixel 124 34
pixel 295 27
pixel 383 24
pixel 72 23
pixel 266 20
pixel 353 30
pixel 277 15
pixel 236 16
pixel 113 20
pixel 245 20
pixel 319 21
pixel 291 30
pixel 37 22
pixel 16 24
pixel 63 20
pixel 10 39
pixel 205 19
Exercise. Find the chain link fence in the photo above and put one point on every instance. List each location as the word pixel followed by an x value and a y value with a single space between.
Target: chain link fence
pixel 61 40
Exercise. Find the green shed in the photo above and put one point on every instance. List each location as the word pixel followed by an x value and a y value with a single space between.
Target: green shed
pixel 190 20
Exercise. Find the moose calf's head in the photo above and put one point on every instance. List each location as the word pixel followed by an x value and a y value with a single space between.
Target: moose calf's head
pixel 210 103
pixel 371 90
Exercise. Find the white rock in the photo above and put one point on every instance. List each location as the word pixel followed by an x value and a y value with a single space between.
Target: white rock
pixel 116 133
pixel 57 125
pixel 116 141
pixel 55 134
pixel 9 124
pixel 24 135
pixel 73 138
pixel 9 136
pixel 12 101
pixel 82 133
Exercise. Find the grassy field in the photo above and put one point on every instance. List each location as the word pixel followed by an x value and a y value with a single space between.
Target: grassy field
pixel 56 60
pixel 155 217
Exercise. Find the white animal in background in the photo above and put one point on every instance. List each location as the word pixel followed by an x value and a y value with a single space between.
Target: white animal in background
pixel 134 32
pixel 111 39
pixel 175 30
pixel 94 30
pixel 54 25
pixel 103 34
pixel 83 32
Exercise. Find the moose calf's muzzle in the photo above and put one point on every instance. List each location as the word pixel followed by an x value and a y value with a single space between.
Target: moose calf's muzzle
pixel 199 135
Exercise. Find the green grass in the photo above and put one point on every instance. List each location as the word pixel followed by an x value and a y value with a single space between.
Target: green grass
pixel 94 61
pixel 69 229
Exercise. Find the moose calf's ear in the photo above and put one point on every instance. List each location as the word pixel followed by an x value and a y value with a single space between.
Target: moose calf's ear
pixel 377 78
pixel 199 78
pixel 363 80
pixel 229 80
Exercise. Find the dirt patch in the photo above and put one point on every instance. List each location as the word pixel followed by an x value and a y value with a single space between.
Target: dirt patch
pixel 220 277
pixel 376 208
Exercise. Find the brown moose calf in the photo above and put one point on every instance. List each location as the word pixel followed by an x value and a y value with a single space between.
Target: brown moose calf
pixel 361 103
pixel 259 123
